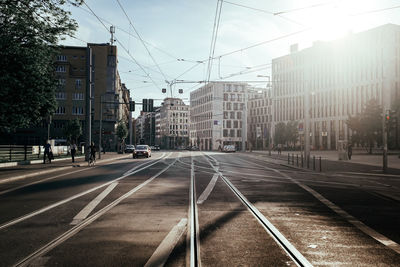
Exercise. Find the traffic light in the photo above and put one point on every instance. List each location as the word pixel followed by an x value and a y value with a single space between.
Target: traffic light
pixel 150 103
pixel 144 105
pixel 164 90
pixel 131 105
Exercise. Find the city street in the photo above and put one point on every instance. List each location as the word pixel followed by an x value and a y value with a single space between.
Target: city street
pixel 187 208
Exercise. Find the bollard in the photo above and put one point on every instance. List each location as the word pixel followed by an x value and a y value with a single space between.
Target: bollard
pixel 314 163
pixel 302 165
pixel 297 160
pixel 25 151
pixel 10 152
pixel 308 161
pixel 293 159
pixel 288 158
pixel 320 165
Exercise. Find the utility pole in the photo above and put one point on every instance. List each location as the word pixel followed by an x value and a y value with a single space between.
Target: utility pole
pixel 88 115
pixel 307 113
pixel 112 31
pixel 100 128
pixel 244 121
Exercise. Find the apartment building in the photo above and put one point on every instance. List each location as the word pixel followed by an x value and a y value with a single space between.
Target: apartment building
pixel 173 124
pixel 217 115
pixel 71 69
pixel 338 77
pixel 259 119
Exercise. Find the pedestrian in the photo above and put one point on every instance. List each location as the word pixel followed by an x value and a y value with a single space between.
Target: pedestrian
pixel 349 151
pixel 279 149
pixel 92 151
pixel 73 150
pixel 47 150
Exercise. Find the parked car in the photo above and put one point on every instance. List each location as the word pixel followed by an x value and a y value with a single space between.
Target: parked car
pixel 194 148
pixel 156 148
pixel 129 148
pixel 142 151
pixel 229 148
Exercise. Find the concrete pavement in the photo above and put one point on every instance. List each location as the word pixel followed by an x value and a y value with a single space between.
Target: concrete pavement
pixel 360 161
pixel 14 173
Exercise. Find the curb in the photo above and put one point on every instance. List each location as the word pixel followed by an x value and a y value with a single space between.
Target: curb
pixel 30 162
pixel 5 180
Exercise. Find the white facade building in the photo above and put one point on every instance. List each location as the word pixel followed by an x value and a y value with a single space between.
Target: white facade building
pixel 217 115
pixel 339 77
pixel 173 124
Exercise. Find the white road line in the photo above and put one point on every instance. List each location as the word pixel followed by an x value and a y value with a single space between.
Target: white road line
pixel 37 212
pixel 280 239
pixel 208 189
pixel 161 254
pixel 90 207
pixel 354 221
pixel 68 234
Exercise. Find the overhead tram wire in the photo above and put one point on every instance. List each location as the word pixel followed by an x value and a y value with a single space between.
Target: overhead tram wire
pixel 374 11
pixel 130 34
pixel 136 62
pixel 140 38
pixel 302 8
pixel 214 38
pixel 267 12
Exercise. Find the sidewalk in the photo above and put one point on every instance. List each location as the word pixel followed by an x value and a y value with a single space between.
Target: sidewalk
pixel 13 173
pixel 360 162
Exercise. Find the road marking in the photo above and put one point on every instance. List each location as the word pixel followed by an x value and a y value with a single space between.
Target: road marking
pixel 74 230
pixel 279 238
pixel 161 254
pixel 208 189
pixel 354 221
pixel 90 207
pixel 39 211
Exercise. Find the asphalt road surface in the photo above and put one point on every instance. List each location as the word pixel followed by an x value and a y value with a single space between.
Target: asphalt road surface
pixel 197 208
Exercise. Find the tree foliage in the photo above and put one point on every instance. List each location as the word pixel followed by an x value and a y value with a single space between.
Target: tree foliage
pixel 73 130
pixel 286 133
pixel 29 33
pixel 122 131
pixel 367 125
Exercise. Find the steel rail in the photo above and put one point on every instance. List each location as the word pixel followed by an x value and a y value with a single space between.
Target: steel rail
pixel 279 238
pixel 195 260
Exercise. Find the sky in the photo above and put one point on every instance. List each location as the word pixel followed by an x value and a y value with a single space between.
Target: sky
pixel 175 37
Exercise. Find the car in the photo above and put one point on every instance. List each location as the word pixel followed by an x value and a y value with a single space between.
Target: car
pixel 194 148
pixel 141 151
pixel 229 148
pixel 156 148
pixel 129 148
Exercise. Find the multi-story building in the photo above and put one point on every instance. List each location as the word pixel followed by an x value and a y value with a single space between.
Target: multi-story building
pixel 217 115
pixel 259 119
pixel 339 77
pixel 173 124
pixel 71 73
pixel 145 128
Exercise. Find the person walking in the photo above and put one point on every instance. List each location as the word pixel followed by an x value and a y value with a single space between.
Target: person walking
pixel 73 150
pixel 349 151
pixel 92 155
pixel 47 150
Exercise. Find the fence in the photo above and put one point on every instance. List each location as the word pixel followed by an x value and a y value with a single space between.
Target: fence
pixel 13 153
pixel 312 162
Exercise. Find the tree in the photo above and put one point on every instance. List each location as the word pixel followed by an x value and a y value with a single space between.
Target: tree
pixel 29 33
pixel 367 125
pixel 73 130
pixel 280 133
pixel 122 132
pixel 292 132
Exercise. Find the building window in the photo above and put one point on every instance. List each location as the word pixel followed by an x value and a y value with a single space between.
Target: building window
pixel 228 124
pixel 78 84
pixel 61 81
pixel 225 133
pixel 61 58
pixel 77 96
pixel 239 133
pixel 60 110
pixel 61 69
pixel 77 110
pixel 232 114
pixel 232 133
pixel 60 95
